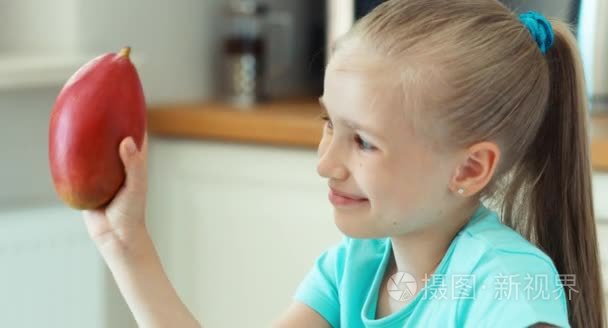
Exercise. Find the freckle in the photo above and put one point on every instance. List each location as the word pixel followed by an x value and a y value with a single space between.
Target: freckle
pixel 394 223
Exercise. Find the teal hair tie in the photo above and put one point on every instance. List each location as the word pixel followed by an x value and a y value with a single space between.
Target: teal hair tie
pixel 540 28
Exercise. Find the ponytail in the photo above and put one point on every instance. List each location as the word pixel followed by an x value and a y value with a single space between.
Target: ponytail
pixel 552 187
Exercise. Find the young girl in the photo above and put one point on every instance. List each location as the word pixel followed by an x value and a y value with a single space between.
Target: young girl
pixel 433 106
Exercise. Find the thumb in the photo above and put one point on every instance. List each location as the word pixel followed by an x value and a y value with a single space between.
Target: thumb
pixel 132 162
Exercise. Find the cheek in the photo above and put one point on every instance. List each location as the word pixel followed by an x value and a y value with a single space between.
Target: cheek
pixel 377 180
pixel 400 185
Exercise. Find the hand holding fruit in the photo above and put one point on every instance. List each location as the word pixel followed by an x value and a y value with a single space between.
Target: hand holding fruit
pixel 98 108
pixel 97 125
pixel 119 223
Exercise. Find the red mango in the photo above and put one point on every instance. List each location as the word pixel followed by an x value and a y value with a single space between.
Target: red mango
pixel 99 106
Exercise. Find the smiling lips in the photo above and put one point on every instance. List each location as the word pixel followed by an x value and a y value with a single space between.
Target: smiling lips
pixel 346 195
pixel 339 198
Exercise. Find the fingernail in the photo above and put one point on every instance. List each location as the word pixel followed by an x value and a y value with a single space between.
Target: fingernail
pixel 131 146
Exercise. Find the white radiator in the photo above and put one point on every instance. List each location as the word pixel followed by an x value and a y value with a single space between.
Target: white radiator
pixel 50 272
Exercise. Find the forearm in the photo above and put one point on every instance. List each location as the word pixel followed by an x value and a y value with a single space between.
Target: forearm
pixel 143 283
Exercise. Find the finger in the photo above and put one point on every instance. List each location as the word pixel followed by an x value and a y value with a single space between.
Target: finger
pixel 134 164
pixel 144 147
pixel 144 159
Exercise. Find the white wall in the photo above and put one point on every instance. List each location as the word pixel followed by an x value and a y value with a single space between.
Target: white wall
pixel 24 174
pixel 38 26
pixel 175 39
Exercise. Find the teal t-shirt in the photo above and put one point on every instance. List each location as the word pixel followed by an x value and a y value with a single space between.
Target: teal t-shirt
pixel 490 276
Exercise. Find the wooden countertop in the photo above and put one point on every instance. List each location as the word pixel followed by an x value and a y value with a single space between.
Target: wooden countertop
pixel 285 123
pixel 599 142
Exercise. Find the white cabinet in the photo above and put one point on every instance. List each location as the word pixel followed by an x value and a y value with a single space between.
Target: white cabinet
pixel 603 244
pixel 52 275
pixel 600 193
pixel 237 226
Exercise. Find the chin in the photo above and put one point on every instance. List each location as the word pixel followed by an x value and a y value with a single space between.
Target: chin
pixel 357 227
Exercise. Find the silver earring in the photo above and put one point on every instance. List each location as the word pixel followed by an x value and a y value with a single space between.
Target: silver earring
pixel 461 191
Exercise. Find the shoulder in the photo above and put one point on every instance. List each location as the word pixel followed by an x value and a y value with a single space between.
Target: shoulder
pixel 487 230
pixel 515 284
pixel 516 290
pixel 486 242
pixel 347 264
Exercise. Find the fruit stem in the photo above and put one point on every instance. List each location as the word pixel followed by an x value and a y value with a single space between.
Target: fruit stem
pixel 125 52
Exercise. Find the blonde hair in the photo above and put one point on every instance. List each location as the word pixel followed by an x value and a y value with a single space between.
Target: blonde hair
pixel 500 87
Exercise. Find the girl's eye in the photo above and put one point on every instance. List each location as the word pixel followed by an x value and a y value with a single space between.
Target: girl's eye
pixel 326 119
pixel 361 143
pixel 364 145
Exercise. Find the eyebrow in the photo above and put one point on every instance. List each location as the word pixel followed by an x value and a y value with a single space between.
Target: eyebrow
pixel 351 124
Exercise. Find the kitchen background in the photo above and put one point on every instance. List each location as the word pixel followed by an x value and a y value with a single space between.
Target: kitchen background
pixel 222 258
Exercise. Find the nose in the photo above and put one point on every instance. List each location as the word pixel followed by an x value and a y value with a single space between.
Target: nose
pixel 330 163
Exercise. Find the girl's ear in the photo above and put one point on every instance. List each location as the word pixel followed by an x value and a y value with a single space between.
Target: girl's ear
pixel 477 169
